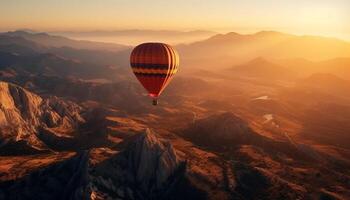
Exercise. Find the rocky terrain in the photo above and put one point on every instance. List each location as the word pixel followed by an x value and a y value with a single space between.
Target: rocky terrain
pixel 145 168
pixel 271 162
pixel 74 123
pixel 27 119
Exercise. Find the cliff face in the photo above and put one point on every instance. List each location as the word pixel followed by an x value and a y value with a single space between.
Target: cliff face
pixel 19 115
pixel 152 160
pixel 144 170
pixel 23 114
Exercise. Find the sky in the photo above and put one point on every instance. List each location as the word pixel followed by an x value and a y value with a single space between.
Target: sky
pixel 317 17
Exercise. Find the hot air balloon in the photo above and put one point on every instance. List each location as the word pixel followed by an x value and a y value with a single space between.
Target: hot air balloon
pixel 154 65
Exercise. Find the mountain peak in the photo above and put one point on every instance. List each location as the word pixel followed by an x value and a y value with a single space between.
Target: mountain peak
pixel 27 30
pixel 18 32
pixel 260 33
pixel 256 63
pixel 15 97
pixel 25 33
pixel 259 60
pixel 232 34
pixel 146 165
pixel 226 36
pixel 263 69
pixel 152 159
pixel 269 33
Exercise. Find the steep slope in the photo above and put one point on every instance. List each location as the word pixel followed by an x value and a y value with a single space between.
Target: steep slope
pixel 146 169
pixel 152 159
pixel 23 114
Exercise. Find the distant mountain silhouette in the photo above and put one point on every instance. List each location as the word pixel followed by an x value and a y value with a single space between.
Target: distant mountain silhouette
pixel 233 48
pixel 136 36
pixel 327 83
pixel 51 64
pixel 20 45
pixel 263 69
pixel 58 41
pixel 29 44
pixel 339 66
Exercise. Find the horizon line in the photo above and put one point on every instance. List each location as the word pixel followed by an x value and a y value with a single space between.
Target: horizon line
pixel 28 30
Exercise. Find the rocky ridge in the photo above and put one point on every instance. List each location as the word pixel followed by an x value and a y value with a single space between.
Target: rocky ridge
pixel 23 114
pixel 144 170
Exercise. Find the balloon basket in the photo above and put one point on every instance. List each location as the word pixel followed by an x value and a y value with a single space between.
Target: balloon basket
pixel 155 102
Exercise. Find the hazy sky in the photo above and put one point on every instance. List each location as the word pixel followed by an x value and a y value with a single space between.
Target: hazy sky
pixel 320 17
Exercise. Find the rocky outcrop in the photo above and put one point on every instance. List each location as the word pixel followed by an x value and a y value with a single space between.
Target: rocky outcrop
pixel 147 169
pixel 152 161
pixel 23 114
pixel 57 112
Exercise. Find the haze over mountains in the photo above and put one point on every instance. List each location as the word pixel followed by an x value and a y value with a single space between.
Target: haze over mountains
pixel 58 41
pixel 135 37
pixel 233 48
pixel 259 116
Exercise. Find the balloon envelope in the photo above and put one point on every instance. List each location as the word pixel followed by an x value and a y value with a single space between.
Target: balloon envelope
pixel 154 65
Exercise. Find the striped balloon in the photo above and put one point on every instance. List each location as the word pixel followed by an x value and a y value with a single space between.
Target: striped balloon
pixel 154 65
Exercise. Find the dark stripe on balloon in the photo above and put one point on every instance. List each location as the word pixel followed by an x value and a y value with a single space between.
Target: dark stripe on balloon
pixel 150 75
pixel 150 66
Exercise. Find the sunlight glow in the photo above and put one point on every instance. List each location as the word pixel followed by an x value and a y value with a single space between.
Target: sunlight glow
pixel 321 17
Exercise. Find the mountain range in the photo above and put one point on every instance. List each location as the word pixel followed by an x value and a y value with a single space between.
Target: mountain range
pixel 232 48
pixel 134 37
